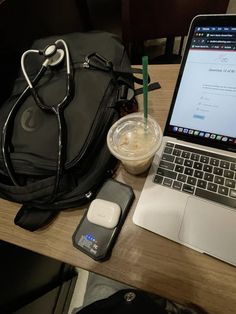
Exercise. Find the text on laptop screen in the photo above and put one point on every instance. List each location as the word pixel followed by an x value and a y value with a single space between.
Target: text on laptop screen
pixel 205 105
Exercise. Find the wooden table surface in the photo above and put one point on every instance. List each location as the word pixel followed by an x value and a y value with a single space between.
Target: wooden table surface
pixel 140 258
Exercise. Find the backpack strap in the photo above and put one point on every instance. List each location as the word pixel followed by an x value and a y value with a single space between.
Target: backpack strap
pixel 32 218
pixel 151 87
pixel 98 62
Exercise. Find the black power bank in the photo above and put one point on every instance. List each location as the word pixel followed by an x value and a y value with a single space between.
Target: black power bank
pixel 97 241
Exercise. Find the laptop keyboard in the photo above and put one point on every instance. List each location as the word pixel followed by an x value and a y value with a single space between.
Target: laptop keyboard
pixel 193 171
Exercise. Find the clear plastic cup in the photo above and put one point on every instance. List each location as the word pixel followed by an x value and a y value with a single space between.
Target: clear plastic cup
pixel 133 142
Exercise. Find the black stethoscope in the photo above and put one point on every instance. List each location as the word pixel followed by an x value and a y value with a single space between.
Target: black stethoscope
pixel 53 55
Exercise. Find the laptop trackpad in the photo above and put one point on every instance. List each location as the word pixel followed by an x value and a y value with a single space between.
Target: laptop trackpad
pixel 210 228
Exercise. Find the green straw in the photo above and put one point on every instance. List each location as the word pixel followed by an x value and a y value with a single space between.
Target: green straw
pixel 145 88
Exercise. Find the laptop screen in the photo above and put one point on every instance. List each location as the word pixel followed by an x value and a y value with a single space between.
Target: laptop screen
pixel 204 103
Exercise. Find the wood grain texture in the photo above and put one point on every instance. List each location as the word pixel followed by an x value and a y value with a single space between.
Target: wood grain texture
pixel 140 258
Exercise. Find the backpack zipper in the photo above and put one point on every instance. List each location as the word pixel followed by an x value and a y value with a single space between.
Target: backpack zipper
pixel 100 123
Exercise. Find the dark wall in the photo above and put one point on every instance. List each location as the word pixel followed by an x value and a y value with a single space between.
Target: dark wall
pixel 23 21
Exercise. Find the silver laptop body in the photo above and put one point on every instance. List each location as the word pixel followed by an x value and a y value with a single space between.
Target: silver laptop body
pixel 189 195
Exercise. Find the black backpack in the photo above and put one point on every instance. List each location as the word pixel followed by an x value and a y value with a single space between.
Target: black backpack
pixel 103 90
pixel 132 301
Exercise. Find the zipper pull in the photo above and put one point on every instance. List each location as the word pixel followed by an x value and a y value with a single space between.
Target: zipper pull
pixel 96 61
pixel 88 195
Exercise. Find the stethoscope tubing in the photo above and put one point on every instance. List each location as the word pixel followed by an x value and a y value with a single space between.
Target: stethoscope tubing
pixel 57 109
pixel 9 119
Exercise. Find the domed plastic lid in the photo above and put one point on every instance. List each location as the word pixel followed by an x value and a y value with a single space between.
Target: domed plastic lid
pixel 130 138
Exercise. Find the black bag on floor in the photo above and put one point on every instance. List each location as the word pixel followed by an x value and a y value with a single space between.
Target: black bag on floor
pixel 132 301
pixel 50 158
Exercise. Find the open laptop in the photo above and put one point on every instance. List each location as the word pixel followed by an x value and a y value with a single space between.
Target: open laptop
pixel 190 193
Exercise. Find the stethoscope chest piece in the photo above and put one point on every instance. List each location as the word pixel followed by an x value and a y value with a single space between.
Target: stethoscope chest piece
pixel 53 54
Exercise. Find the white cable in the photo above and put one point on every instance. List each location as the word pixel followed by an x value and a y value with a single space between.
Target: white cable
pixel 23 65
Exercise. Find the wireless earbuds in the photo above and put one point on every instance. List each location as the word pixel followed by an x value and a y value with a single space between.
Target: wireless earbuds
pixel 104 213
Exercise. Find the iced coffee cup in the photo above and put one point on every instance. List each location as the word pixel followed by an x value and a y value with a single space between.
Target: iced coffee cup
pixel 134 141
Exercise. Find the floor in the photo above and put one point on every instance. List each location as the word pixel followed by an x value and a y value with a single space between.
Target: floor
pixel 79 291
pixel 91 287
